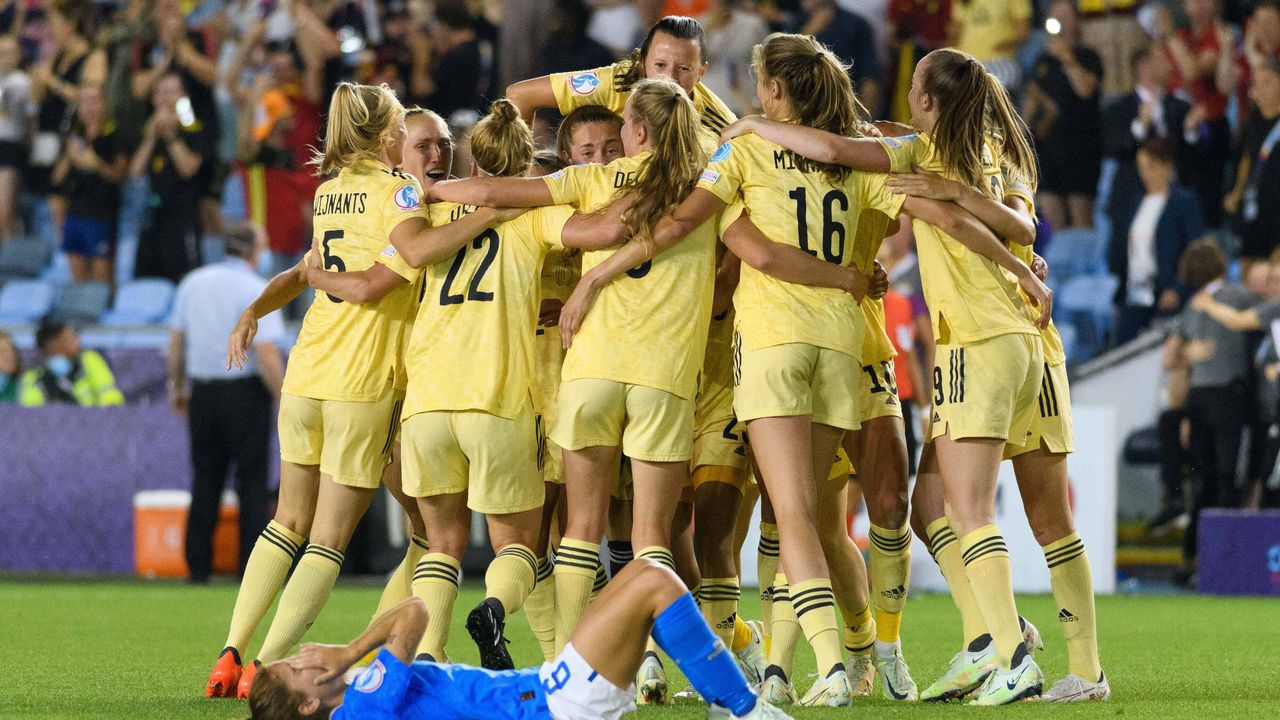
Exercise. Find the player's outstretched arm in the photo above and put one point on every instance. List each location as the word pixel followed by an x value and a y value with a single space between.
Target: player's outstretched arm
pixel 791 264
pixel 398 630
pixel 859 153
pixel 1006 222
pixel 509 192
pixel 531 95
pixel 282 289
pixel 420 244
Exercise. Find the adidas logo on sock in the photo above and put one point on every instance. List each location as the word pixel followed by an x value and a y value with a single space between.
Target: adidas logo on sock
pixel 1065 615
pixel 897 593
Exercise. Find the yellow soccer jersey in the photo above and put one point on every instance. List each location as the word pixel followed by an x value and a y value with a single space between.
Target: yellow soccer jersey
pixel 608 86
pixel 1016 186
pixel 348 351
pixel 472 343
pixel 970 298
pixel 793 203
pixel 648 327
pixel 873 225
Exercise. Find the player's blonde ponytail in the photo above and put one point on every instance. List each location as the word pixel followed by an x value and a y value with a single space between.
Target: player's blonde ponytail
pixel 677 157
pixel 362 123
pixel 958 84
pixel 501 143
pixel 1011 133
pixel 817 87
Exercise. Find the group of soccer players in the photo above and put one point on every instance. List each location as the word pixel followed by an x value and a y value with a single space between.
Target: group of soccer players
pixel 636 337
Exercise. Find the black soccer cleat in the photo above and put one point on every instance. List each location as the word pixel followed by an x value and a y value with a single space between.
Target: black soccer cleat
pixel 485 624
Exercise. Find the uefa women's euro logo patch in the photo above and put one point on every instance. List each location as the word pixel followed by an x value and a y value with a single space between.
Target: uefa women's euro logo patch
pixel 721 152
pixel 407 198
pixel 584 83
pixel 371 679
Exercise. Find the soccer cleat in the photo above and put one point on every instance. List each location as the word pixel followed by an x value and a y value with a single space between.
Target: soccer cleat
pixel 776 689
pixel 831 691
pixel 485 624
pixel 690 694
pixel 1074 688
pixel 968 670
pixel 751 659
pixel 1021 681
pixel 895 677
pixel 1030 636
pixel 225 675
pixel 246 679
pixel 651 681
pixel 761 711
pixel 861 672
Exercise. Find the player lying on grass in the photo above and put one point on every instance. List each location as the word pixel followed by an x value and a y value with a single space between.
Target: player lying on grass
pixel 587 681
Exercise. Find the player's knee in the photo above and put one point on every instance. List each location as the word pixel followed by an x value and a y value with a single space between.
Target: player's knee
pixel 1050 528
pixel 888 507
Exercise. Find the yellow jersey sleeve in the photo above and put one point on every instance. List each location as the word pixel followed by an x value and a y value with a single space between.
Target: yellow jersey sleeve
pixel 590 87
pixel 907 151
pixel 546 224
pixel 725 172
pixel 566 185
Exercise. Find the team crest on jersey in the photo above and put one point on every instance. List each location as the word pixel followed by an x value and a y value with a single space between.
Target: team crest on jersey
pixel 389 251
pixel 710 176
pixel 371 679
pixel 721 152
pixel 407 198
pixel 584 83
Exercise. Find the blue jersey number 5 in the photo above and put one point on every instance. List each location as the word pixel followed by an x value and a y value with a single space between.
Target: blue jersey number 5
pixel 559 678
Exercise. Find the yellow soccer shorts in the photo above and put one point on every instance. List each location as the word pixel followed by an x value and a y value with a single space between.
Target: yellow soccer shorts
pixel 550 456
pixel 548 359
pixel 492 458
pixel 987 389
pixel 878 391
pixel 350 441
pixel 1052 427
pixel 649 424
pixel 795 379
pixel 719 450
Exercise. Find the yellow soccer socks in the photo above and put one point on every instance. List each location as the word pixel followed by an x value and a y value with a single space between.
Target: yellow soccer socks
pixel 986 564
pixel 436 582
pixel 719 598
pixel 1072 582
pixel 815 608
pixel 890 568
pixel 540 610
pixel 264 575
pixel 575 574
pixel 303 598
pixel 766 570
pixel 859 632
pixel 400 585
pixel 786 630
pixel 510 577
pixel 945 548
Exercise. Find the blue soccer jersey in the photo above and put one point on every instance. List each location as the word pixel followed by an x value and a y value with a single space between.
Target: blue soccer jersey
pixel 389 689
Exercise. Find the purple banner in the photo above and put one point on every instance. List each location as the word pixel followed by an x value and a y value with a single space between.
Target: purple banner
pixel 68 476
pixel 1240 552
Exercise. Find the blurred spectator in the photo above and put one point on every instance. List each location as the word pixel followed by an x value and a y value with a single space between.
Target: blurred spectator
pixel 1110 28
pixel 10 369
pixel 459 78
pixel 15 112
pixel 914 29
pixel 1218 361
pixel 1064 114
pixel 67 373
pixel 175 146
pixel 176 49
pixel 851 38
pixel 1262 36
pixel 229 411
pixel 1256 195
pixel 616 25
pixel 569 48
pixel 1195 52
pixel 93 165
pixel 1146 244
pixel 13 17
pixel 403 59
pixel 55 86
pixel 732 33
pixel 524 31
pixel 1175 458
pixel 992 31
pixel 1144 114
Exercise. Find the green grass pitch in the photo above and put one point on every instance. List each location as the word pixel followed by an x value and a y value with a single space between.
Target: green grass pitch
pixel 131 650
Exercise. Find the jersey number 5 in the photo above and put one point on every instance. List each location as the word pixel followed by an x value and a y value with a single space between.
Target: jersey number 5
pixel 332 261
pixel 473 289
pixel 833 232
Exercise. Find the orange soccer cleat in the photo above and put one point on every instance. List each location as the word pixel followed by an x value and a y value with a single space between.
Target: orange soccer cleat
pixel 225 675
pixel 246 679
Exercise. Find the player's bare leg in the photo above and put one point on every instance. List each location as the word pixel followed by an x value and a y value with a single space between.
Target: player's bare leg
pixel 849 583
pixel 400 584
pixel 657 490
pixel 273 554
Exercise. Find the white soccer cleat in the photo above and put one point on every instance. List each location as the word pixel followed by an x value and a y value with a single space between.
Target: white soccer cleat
pixel 861 671
pixel 1022 681
pixel 761 711
pixel 967 671
pixel 1031 636
pixel 895 676
pixel 831 691
pixel 751 659
pixel 1074 688
pixel 777 691
pixel 651 681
